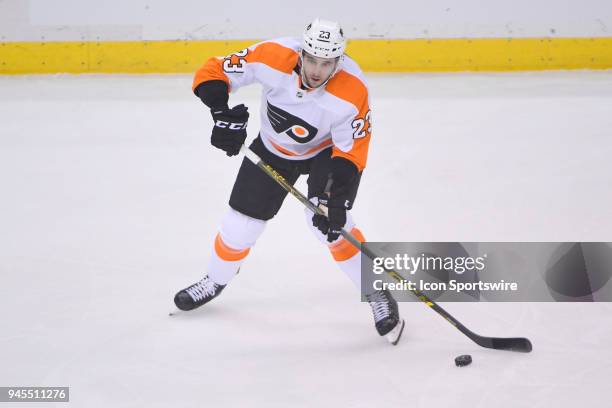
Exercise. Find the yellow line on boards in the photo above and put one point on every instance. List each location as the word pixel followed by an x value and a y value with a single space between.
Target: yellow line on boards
pixel 422 55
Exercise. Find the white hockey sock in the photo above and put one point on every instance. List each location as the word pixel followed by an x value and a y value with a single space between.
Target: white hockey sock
pixel 237 234
pixel 347 257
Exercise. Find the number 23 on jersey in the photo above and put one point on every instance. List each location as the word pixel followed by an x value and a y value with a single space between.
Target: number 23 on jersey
pixel 362 126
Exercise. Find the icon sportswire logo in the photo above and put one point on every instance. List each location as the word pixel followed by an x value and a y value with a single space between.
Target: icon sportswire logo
pixel 294 127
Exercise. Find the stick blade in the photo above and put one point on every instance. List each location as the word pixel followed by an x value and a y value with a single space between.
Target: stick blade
pixel 518 344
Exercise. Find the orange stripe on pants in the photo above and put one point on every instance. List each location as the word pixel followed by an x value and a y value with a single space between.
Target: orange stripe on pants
pixel 343 250
pixel 227 253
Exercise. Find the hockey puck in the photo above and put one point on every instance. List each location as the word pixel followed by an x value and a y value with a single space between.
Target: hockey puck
pixel 463 360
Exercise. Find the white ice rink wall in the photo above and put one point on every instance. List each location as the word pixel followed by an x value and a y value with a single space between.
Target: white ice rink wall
pixel 40 36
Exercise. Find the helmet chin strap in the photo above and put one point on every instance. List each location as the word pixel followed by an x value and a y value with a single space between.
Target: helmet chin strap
pixel 303 76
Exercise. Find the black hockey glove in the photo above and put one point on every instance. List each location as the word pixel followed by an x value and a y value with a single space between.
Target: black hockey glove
pixel 336 217
pixel 343 177
pixel 230 132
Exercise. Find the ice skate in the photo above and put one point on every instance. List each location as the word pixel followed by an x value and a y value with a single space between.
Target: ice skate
pixel 197 294
pixel 386 316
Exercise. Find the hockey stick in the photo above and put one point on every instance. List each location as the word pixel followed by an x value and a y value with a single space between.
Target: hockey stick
pixel 520 344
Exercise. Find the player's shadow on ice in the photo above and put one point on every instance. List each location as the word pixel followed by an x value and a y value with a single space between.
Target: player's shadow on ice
pixel 210 311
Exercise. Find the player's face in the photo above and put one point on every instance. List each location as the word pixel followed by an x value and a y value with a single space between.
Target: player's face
pixel 317 70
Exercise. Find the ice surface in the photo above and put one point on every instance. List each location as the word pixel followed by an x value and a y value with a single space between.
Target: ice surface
pixel 111 196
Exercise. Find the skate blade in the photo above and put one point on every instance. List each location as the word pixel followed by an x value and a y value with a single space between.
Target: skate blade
pixel 394 335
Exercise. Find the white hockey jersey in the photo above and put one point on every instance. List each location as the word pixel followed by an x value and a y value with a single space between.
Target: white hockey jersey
pixel 297 124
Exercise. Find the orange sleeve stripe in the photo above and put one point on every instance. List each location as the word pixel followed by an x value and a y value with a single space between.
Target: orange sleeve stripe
pixel 358 154
pixel 352 90
pixel 343 250
pixel 211 70
pixel 227 253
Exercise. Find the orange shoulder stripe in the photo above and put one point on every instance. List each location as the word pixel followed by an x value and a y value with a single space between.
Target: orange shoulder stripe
pixel 349 88
pixel 272 54
pixel 275 56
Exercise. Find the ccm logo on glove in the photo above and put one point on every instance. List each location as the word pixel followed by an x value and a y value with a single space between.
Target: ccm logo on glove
pixel 231 126
pixel 229 132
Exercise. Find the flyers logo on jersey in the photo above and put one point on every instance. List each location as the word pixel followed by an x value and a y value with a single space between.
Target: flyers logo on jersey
pixel 294 127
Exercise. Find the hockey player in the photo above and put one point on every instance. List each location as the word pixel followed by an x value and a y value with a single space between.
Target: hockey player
pixel 315 120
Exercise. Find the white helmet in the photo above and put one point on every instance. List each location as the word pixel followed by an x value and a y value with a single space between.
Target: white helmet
pixel 324 39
